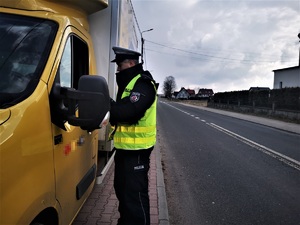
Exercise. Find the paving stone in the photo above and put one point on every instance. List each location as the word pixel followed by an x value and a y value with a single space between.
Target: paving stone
pixel 101 208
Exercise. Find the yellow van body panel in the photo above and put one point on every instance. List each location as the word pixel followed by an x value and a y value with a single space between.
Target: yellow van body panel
pixel 87 6
pixel 26 160
pixel 35 172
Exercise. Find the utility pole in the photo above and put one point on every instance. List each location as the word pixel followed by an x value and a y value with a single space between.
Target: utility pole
pixel 142 44
pixel 299 48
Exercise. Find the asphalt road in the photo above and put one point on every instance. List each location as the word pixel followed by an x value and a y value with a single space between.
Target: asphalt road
pixel 221 170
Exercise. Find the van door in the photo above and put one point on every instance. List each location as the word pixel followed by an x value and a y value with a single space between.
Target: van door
pixel 74 148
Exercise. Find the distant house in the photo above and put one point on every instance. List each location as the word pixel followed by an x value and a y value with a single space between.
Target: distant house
pixel 287 77
pixel 175 93
pixel 204 93
pixel 191 93
pixel 183 94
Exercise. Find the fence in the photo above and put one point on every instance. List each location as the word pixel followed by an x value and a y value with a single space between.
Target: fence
pixel 278 103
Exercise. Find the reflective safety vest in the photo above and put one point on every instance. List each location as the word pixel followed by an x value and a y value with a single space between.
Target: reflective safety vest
pixel 137 136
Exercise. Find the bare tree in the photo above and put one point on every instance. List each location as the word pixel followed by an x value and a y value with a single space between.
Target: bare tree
pixel 169 86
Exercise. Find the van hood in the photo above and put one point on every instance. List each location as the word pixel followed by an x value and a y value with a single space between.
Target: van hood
pixel 4 115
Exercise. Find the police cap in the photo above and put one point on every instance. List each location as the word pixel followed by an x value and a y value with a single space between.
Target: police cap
pixel 123 53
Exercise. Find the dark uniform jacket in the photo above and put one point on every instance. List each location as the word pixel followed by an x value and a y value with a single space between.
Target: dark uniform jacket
pixel 126 110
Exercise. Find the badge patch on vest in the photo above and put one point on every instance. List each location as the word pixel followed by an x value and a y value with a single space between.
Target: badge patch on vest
pixel 135 96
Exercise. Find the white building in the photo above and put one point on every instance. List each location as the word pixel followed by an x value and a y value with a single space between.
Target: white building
pixel 287 77
pixel 183 94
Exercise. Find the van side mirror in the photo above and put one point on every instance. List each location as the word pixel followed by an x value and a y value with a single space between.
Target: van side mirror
pixel 92 101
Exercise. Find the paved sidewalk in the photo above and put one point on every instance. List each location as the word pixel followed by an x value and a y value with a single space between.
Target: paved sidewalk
pixel 101 208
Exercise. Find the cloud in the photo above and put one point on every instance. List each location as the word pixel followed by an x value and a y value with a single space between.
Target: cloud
pixel 224 45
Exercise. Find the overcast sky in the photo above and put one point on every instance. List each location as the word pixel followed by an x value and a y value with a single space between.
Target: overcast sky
pixel 223 45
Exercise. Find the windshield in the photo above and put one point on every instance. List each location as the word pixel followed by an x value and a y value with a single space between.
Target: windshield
pixel 25 45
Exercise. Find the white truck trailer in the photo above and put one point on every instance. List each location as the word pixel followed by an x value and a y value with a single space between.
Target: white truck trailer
pixel 113 26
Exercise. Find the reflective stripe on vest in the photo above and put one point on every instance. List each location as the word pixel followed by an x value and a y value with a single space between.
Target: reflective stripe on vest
pixel 141 135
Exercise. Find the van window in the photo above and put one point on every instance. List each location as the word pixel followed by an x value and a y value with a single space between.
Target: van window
pixel 65 68
pixel 74 63
pixel 25 46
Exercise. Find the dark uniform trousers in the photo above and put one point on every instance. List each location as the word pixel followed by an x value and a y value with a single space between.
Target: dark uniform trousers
pixel 131 186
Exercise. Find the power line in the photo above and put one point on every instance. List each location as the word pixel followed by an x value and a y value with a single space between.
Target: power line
pixel 213 56
pixel 203 59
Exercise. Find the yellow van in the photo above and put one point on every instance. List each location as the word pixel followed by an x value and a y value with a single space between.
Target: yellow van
pixel 50 110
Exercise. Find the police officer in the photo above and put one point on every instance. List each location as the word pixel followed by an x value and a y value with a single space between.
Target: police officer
pixel 133 116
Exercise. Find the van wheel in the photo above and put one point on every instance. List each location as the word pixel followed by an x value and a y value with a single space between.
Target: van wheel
pixel 47 217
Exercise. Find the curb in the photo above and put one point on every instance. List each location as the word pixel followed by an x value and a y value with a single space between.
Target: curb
pixel 163 213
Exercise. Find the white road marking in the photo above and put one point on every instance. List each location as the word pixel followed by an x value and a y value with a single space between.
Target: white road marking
pixel 287 160
pixel 283 158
